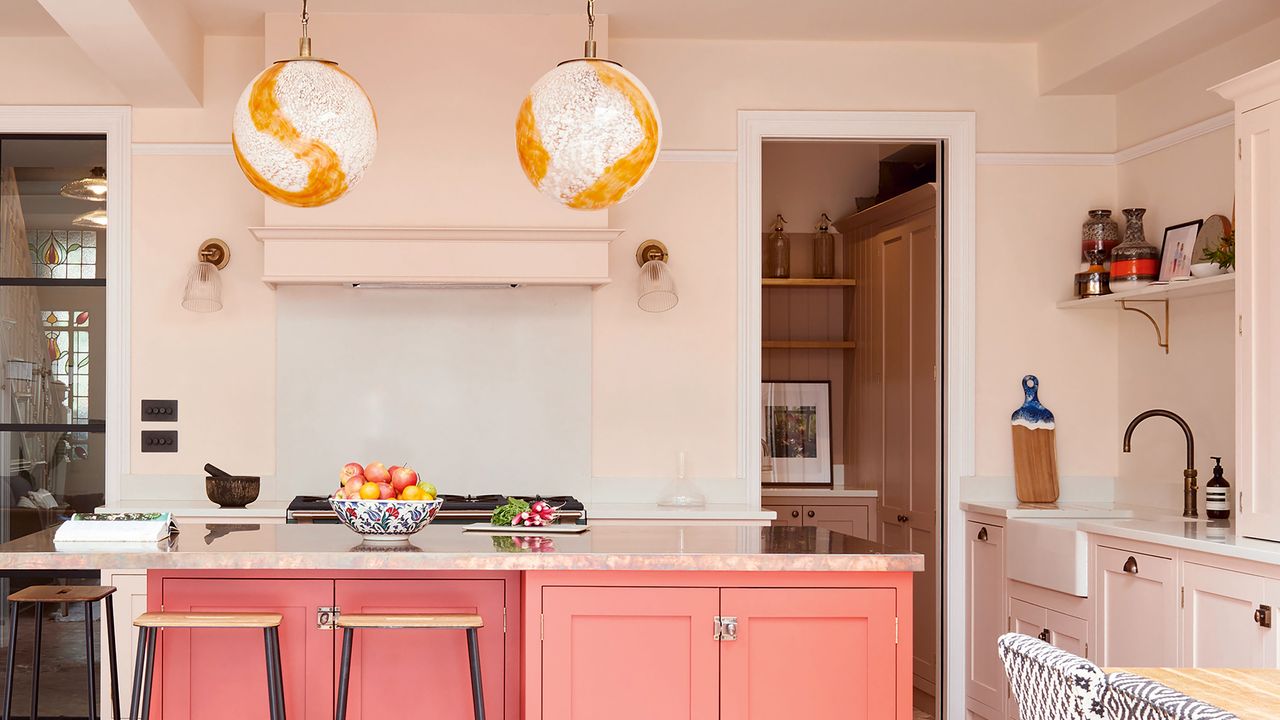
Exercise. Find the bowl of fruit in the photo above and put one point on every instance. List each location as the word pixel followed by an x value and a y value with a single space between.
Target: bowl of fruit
pixel 384 505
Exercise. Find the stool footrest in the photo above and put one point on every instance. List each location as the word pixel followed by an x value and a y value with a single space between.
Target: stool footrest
pixel 208 620
pixel 443 621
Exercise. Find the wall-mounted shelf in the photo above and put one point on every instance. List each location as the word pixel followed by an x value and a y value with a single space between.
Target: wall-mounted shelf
pixel 1138 300
pixel 809 282
pixel 1170 291
pixel 808 345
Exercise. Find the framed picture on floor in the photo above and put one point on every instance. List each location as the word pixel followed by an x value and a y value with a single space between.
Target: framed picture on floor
pixel 1177 252
pixel 796 424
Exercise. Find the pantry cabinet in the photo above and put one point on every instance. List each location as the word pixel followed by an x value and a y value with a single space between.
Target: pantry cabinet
pixel 1136 607
pixel 851 516
pixel 1257 178
pixel 659 649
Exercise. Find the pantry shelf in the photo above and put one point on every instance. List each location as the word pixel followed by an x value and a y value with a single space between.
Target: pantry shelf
pixel 809 282
pixel 808 345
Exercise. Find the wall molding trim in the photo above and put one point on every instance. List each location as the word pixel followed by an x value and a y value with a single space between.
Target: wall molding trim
pixel 182 149
pixel 1047 159
pixel 698 156
pixel 1177 137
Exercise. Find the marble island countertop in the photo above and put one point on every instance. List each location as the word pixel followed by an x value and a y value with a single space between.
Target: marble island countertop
pixel 447 547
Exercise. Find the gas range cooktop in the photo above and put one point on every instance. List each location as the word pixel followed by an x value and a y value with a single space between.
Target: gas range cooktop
pixel 456 508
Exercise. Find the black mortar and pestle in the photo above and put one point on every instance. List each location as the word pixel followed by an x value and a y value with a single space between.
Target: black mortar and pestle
pixel 230 491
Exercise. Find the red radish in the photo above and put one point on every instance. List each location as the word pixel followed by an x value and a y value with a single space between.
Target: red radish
pixel 377 472
pixel 403 477
pixel 349 471
pixel 386 492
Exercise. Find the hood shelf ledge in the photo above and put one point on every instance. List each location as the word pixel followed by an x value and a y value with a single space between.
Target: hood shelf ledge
pixel 435 256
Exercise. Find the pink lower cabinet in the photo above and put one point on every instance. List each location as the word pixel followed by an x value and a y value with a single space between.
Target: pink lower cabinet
pixel 629 653
pixel 809 653
pixel 669 645
pixel 220 674
pixel 423 666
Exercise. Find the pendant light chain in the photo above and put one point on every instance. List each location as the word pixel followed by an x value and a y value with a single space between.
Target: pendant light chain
pixel 304 42
pixel 589 50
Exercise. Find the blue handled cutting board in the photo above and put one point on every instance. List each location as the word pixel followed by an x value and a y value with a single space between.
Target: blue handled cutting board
pixel 1035 455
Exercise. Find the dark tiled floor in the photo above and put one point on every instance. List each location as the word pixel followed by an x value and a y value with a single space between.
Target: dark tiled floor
pixel 63 681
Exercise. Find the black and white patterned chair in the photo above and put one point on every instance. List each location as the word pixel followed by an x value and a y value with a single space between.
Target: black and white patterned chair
pixel 1051 684
pixel 1133 697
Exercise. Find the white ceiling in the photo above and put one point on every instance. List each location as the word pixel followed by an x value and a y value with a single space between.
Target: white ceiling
pixel 964 20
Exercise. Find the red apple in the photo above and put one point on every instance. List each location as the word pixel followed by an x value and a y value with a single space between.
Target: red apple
pixel 403 477
pixel 386 491
pixel 349 471
pixel 377 472
pixel 352 485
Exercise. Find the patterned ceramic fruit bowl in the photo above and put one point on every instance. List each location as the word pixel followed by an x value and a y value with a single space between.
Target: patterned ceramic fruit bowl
pixel 385 521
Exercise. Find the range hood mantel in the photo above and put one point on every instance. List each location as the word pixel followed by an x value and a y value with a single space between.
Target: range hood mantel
pixel 435 256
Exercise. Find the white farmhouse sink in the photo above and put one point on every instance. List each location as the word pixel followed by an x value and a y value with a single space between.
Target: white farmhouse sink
pixel 1048 553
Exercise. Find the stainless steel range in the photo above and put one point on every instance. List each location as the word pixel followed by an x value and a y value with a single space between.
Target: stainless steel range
pixel 457 509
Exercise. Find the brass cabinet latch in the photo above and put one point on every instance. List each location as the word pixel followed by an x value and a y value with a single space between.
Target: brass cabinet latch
pixel 1262 616
pixel 327 617
pixel 726 628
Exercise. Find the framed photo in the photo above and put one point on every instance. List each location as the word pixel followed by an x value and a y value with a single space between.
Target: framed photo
pixel 1178 251
pixel 797 433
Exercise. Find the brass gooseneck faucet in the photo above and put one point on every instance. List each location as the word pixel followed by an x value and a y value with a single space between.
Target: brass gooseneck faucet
pixel 1189 486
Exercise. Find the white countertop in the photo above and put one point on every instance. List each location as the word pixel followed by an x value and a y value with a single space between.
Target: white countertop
pixel 817 492
pixel 1015 509
pixel 1188 535
pixel 651 511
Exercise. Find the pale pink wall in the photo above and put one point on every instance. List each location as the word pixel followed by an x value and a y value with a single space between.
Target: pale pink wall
pixel 802 180
pixel 52 71
pixel 229 64
pixel 219 366
pixel 1196 378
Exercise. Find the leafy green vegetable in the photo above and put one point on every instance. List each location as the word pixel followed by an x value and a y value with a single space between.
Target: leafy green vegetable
pixel 505 514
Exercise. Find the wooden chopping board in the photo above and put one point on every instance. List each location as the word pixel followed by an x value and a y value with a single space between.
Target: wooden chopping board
pixel 1035 455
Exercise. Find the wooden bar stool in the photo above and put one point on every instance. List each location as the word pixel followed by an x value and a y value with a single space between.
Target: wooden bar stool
pixel 43 595
pixel 439 621
pixel 149 625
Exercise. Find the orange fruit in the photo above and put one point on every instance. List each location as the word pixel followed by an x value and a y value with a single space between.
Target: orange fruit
pixel 413 492
pixel 370 491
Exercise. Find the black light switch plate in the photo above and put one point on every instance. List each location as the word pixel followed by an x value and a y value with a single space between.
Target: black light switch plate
pixel 159 410
pixel 159 441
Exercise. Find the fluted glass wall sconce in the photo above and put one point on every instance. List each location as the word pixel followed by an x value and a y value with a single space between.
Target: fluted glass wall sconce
pixel 204 287
pixel 657 286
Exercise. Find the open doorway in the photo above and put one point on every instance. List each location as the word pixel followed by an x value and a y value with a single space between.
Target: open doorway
pixel 885 339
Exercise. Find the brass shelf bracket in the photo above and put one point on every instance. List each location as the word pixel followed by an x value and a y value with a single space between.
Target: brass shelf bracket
pixel 1162 330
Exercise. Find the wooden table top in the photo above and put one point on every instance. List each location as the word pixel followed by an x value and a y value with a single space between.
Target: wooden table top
pixel 1249 693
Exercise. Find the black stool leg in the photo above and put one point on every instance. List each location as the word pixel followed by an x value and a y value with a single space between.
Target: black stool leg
pixel 138 664
pixel 111 651
pixel 35 663
pixel 477 687
pixel 275 699
pixel 274 634
pixel 146 683
pixel 89 656
pixel 344 674
pixel 13 645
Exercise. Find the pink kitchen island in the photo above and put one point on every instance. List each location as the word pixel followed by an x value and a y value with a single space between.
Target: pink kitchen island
pixel 620 622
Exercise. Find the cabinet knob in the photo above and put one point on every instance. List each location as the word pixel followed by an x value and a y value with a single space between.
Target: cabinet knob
pixel 1131 566
pixel 795 513
pixel 982 535
pixel 1262 616
pixel 1045 635
pixel 903 518
pixel 810 513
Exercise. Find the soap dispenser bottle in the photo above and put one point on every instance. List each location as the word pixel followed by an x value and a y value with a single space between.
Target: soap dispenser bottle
pixel 1216 494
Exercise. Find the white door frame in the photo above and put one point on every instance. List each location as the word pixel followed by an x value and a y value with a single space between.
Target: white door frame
pixel 115 122
pixel 957 131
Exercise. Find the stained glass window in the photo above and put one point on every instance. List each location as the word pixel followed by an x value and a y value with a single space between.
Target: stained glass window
pixel 66 334
pixel 64 254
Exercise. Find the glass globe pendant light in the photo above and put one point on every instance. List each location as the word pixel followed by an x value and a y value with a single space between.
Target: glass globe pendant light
pixel 93 187
pixel 304 131
pixel 588 132
pixel 91 219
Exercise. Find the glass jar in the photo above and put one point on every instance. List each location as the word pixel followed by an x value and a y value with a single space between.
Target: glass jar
pixel 1099 232
pixel 777 251
pixel 1135 263
pixel 824 250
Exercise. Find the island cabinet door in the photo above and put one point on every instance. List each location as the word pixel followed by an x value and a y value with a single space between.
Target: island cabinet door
pixel 812 653
pixel 418 673
pixel 221 674
pixel 629 653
